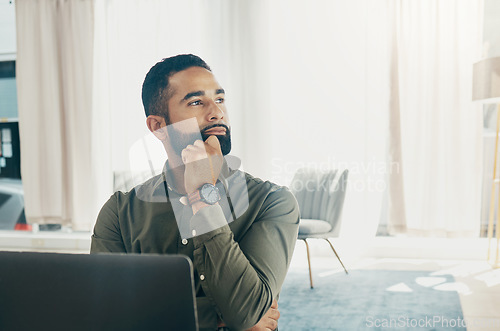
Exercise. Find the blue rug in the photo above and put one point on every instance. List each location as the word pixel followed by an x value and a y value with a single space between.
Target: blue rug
pixel 369 300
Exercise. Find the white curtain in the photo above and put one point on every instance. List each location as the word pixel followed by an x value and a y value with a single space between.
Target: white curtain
pixel 54 77
pixel 441 129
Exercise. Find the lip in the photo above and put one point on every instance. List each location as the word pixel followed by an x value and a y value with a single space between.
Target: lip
pixel 218 131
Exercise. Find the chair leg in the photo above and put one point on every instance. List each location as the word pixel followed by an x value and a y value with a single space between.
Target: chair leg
pixel 309 263
pixel 336 255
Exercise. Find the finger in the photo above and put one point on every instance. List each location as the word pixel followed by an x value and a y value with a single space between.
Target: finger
pixel 184 155
pixel 193 153
pixel 273 314
pixel 271 324
pixel 199 143
pixel 274 304
pixel 196 149
pixel 189 148
pixel 213 142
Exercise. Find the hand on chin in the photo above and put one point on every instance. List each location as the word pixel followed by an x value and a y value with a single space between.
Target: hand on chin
pixel 203 163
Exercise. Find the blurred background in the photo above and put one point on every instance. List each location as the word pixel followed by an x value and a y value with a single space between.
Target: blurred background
pixel 381 88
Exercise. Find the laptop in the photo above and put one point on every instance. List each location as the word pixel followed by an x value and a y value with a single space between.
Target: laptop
pixel 49 291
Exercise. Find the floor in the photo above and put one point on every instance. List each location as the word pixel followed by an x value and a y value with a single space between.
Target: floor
pixel 477 283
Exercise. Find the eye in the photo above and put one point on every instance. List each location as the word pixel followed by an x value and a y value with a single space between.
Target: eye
pixel 219 100
pixel 195 103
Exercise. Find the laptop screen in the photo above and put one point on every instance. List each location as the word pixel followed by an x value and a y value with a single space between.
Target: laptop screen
pixel 48 291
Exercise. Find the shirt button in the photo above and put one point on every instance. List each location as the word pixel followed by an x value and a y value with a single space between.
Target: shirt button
pixel 184 241
pixel 194 233
pixel 202 277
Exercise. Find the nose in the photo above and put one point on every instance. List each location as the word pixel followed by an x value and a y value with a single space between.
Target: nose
pixel 215 112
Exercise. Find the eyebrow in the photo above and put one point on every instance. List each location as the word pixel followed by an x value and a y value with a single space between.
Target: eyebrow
pixel 200 93
pixel 192 94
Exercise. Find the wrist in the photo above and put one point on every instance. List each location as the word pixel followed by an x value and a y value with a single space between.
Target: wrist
pixel 208 193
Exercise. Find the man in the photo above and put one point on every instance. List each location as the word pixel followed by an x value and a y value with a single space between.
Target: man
pixel 238 230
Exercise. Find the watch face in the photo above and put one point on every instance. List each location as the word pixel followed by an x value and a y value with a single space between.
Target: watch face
pixel 209 193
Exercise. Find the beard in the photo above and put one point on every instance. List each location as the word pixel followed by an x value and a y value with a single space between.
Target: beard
pixel 225 140
pixel 180 140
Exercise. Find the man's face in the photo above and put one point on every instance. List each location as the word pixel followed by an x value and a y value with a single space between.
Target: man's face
pixel 196 94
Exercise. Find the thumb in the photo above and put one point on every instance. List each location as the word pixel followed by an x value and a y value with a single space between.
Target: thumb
pixel 213 142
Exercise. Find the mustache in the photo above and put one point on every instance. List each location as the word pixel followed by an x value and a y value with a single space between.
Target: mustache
pixel 208 127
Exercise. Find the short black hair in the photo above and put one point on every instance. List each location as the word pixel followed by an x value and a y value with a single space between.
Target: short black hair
pixel 155 89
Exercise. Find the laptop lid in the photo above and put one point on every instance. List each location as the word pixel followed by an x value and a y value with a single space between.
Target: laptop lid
pixel 48 291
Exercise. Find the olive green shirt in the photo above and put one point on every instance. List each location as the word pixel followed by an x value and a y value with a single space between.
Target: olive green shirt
pixel 239 265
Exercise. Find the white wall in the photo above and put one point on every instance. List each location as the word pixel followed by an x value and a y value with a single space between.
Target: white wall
pixel 491 35
pixel 328 99
pixel 7 30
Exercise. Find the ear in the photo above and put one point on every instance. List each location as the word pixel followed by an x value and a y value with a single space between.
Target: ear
pixel 156 124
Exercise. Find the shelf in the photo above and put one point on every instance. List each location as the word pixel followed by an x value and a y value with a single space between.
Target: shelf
pixel 8 56
pixel 9 119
